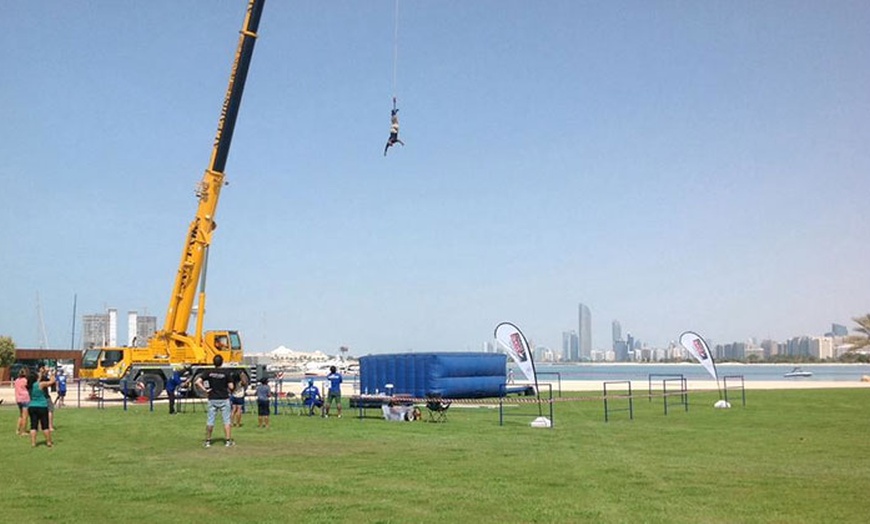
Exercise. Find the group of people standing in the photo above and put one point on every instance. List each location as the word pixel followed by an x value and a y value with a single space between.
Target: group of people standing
pixel 223 388
pixel 33 396
pixel 226 394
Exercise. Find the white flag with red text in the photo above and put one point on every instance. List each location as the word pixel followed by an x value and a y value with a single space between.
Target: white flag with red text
pixel 514 343
pixel 697 347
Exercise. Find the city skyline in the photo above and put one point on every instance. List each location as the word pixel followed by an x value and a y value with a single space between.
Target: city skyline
pixel 148 324
pixel 675 167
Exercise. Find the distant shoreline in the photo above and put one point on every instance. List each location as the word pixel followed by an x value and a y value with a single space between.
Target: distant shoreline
pixel 688 363
pixel 703 385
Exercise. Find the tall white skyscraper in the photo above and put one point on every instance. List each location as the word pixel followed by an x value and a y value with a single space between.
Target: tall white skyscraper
pixel 584 333
pixel 132 319
pixel 113 327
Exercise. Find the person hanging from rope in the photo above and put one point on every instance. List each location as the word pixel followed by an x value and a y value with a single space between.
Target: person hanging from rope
pixel 394 128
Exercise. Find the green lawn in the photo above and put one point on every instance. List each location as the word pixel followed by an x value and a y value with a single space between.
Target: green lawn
pixel 788 456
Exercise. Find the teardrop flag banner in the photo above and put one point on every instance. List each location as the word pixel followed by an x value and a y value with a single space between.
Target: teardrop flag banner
pixel 696 346
pixel 514 343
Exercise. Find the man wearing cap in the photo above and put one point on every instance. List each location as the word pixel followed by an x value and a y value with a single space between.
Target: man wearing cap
pixel 311 397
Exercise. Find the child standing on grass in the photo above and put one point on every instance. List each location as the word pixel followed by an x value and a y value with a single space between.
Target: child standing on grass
pixel 237 399
pixel 61 388
pixel 263 394
pixel 22 398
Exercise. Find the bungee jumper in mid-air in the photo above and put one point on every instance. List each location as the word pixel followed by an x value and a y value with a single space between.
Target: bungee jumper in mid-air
pixel 394 128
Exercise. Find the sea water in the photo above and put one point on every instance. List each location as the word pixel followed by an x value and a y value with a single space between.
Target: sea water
pixel 750 372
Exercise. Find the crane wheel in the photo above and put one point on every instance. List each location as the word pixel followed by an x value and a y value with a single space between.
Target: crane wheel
pixel 195 391
pixel 144 382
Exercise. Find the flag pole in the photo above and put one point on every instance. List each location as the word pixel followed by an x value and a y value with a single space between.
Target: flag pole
pixel 535 374
pixel 718 388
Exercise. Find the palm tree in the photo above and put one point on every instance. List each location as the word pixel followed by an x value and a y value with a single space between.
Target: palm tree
pixel 862 340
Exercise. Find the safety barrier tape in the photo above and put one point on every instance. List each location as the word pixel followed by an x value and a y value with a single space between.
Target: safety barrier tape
pixel 521 400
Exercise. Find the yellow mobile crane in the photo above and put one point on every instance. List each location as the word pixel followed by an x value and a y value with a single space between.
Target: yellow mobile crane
pixel 143 370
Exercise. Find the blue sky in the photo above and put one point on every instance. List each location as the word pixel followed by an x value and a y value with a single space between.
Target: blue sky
pixel 673 165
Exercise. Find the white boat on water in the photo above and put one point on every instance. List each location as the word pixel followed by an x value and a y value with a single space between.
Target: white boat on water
pixel 798 372
pixel 321 369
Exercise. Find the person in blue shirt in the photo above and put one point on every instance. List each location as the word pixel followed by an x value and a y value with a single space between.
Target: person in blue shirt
pixel 172 384
pixel 311 398
pixel 334 379
pixel 61 388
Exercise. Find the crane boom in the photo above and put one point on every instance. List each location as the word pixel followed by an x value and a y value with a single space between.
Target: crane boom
pixel 201 228
pixel 144 370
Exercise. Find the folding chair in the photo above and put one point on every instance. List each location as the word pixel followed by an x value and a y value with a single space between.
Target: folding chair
pixel 437 408
pixel 185 396
pixel 293 404
pixel 311 403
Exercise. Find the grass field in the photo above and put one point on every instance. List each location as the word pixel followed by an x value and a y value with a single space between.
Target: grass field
pixel 788 456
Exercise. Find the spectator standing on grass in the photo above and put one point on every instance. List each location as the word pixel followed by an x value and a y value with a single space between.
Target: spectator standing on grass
pixel 263 395
pixel 218 390
pixel 22 398
pixel 171 386
pixel 40 400
pixel 44 372
pixel 237 399
pixel 61 388
pixel 334 379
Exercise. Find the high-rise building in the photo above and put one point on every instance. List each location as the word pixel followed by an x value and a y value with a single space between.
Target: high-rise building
pixel 544 354
pixel 620 351
pixel 146 326
pixel 113 327
pixel 101 330
pixel 132 317
pixel 822 347
pixel 798 347
pixel 95 331
pixel 838 330
pixel 584 333
pixel 616 329
pixel 770 348
pixel 570 346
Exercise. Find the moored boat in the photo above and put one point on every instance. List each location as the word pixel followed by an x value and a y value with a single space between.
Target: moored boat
pixel 798 372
